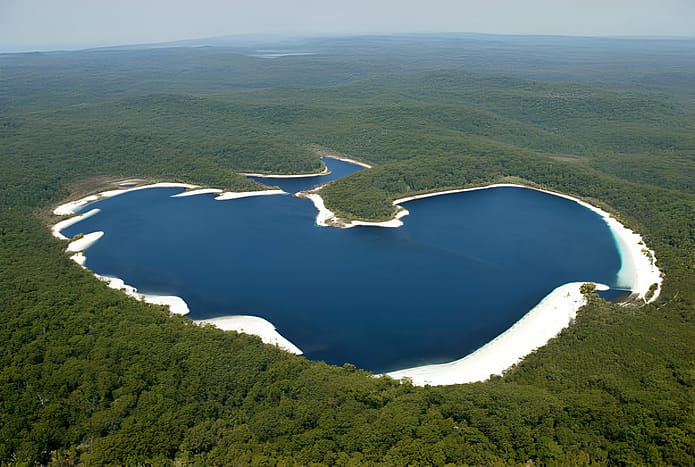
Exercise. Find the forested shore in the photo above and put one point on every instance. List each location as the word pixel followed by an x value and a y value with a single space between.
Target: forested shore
pixel 89 375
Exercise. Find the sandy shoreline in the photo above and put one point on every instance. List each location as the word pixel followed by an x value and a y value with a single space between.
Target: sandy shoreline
pixel 246 324
pixel 638 270
pixel 638 273
pixel 554 313
pixel 64 224
pixel 87 240
pixel 71 207
pixel 345 159
pixel 249 324
pixel 325 171
pixel 255 326
pixel 326 218
pixel 246 194
pixel 199 191
pixel 176 304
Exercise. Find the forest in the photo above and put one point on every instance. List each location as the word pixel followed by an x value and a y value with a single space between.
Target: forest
pixel 91 376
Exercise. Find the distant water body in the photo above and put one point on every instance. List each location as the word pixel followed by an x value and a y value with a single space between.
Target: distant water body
pixel 462 269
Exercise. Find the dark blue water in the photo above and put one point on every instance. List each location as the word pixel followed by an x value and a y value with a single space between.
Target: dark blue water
pixel 337 169
pixel 613 294
pixel 462 269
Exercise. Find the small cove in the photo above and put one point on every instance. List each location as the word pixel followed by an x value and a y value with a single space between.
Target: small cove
pixel 462 269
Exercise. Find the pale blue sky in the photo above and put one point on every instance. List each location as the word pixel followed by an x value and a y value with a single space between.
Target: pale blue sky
pixel 51 24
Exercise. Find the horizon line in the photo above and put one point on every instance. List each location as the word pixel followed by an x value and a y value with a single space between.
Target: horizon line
pixel 188 42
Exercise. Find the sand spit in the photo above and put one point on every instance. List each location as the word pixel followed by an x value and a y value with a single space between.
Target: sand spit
pixel 246 194
pixel 112 193
pixel 326 218
pixel 345 159
pixel 72 206
pixel 200 191
pixel 554 313
pixel 84 242
pixel 64 224
pixel 255 326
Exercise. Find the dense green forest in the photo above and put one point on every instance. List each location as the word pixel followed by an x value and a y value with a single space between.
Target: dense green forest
pixel 88 375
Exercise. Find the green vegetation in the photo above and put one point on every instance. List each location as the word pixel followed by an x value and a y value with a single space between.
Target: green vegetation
pixel 89 375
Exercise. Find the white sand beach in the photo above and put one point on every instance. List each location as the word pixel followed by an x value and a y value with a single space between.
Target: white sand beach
pixel 176 304
pixel 324 215
pixel 326 218
pixel 200 191
pixel 248 324
pixel 638 272
pixel 70 208
pixel 112 193
pixel 245 194
pixel 79 258
pixel 325 171
pixel 345 159
pixel 84 242
pixel 255 326
pixel 554 313
pixel 64 224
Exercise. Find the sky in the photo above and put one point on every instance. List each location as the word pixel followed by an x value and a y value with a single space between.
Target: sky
pixel 61 24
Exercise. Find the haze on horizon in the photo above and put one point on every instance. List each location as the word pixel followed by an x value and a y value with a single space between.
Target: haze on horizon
pixel 71 24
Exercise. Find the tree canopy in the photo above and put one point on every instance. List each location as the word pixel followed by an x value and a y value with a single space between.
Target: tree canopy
pixel 89 375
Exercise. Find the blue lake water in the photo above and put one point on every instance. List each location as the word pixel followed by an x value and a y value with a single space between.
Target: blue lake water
pixel 337 169
pixel 462 269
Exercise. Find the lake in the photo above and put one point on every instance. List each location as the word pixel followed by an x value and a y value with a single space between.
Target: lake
pixel 462 269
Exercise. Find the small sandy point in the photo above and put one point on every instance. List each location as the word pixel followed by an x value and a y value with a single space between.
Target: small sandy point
pixel 64 224
pixel 200 191
pixel 112 193
pixel 255 326
pixel 346 159
pixel 246 194
pixel 84 242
